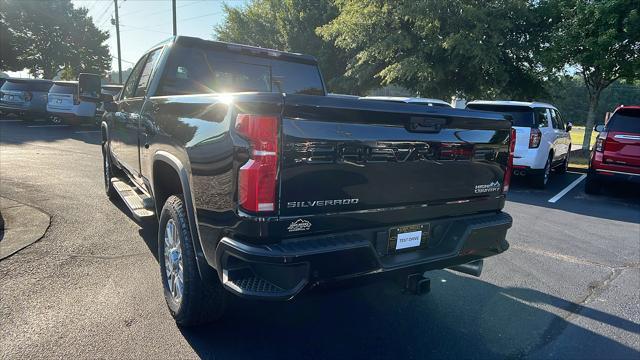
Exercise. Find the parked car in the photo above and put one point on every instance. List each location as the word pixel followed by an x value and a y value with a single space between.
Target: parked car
pixel 409 100
pixel 543 141
pixel 263 186
pixel 108 90
pixel 64 105
pixel 616 154
pixel 24 97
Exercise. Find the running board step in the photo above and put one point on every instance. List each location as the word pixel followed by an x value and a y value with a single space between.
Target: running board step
pixel 139 204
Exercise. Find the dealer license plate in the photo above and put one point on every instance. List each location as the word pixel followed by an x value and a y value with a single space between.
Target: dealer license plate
pixel 409 237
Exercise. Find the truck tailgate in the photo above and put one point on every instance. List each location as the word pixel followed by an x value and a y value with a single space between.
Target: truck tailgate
pixel 342 155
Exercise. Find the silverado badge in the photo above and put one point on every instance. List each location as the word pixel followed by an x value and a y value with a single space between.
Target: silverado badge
pixel 299 225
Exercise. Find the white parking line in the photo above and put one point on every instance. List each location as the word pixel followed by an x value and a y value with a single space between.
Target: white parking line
pixel 567 189
pixel 41 126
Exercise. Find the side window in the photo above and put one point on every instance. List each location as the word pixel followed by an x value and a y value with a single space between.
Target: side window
pixel 542 117
pixel 554 119
pixel 129 88
pixel 559 120
pixel 145 76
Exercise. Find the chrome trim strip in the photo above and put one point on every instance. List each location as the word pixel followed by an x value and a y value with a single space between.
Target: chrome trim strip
pixel 617 172
pixel 627 137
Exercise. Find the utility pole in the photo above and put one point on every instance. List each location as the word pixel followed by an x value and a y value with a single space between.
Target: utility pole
pixel 118 39
pixel 175 26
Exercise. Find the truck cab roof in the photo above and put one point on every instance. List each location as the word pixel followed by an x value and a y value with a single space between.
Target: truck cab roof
pixel 408 100
pixel 246 49
pixel 531 104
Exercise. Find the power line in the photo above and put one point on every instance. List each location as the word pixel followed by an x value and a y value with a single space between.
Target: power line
pixel 143 29
pixel 189 18
pixel 160 11
pixel 93 6
pixel 127 61
pixel 98 19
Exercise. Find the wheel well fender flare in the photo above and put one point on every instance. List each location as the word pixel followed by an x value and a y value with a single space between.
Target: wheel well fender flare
pixel 104 131
pixel 183 175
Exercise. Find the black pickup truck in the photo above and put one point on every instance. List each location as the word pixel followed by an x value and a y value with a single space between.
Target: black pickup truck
pixel 264 186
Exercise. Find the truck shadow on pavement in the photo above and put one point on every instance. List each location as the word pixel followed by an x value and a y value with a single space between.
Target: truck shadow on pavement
pixel 462 317
pixel 24 131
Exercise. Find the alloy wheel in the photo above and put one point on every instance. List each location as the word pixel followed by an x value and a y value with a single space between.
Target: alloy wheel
pixel 173 261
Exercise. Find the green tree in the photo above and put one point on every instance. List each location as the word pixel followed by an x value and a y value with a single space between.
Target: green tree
pixel 470 48
pixel 570 95
pixel 67 73
pixel 53 34
pixel 598 38
pixel 8 43
pixel 290 25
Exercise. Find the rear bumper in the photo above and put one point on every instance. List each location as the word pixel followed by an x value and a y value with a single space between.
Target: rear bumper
pixel 12 107
pixel 615 176
pixel 283 270
pixel 612 172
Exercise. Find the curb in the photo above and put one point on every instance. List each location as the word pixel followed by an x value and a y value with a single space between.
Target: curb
pixel 20 226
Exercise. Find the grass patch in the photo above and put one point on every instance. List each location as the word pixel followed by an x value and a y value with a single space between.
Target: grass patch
pixel 577 136
pixel 578 160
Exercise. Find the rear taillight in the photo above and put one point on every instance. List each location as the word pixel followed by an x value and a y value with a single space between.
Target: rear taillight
pixel 257 178
pixel 601 141
pixel 28 96
pixel 534 138
pixel 509 169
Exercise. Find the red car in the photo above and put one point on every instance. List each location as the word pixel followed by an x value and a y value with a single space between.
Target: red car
pixel 616 156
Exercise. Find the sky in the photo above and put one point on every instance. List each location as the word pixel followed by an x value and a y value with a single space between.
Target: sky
pixel 144 23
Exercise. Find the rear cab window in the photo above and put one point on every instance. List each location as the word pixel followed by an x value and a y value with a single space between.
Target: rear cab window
pixel 63 88
pixel 38 86
pixel 523 116
pixel 625 120
pixel 201 70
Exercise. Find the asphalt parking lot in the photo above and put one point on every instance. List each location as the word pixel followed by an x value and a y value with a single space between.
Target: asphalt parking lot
pixel 569 286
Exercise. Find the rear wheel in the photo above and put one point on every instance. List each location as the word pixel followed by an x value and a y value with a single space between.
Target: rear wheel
pixel 592 185
pixel 191 301
pixel 540 180
pixel 107 171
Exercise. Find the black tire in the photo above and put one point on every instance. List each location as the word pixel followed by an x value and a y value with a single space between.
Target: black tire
pixel 107 172
pixel 592 185
pixel 200 302
pixel 564 166
pixel 540 180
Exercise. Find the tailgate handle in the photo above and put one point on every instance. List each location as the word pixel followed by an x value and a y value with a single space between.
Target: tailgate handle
pixel 425 124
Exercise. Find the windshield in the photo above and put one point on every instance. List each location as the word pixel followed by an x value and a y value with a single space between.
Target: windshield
pixel 63 89
pixel 192 70
pixel 625 120
pixel 522 115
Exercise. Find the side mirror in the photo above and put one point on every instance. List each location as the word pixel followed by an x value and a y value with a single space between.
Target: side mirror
pixel 89 87
pixel 599 128
pixel 110 106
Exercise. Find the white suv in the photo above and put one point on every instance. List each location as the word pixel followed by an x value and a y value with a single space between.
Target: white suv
pixel 63 104
pixel 542 138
